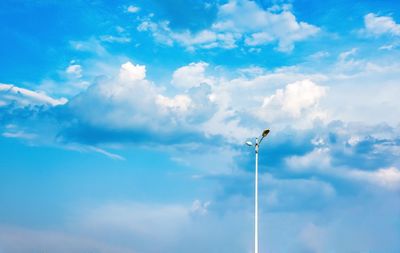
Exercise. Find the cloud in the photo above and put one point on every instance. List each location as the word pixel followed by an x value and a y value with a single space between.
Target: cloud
pixel 215 108
pixel 205 39
pixel 117 39
pixel 129 227
pixel 24 240
pixel 189 76
pixel 131 102
pixel 318 176
pixel 384 177
pixel 92 45
pixel 175 227
pixel 319 158
pixel 355 153
pixel 74 70
pixel 319 55
pixel 129 108
pixel 231 27
pixel 199 208
pixel 106 153
pixel 344 56
pixel 132 9
pixel 19 135
pixel 266 26
pixel 378 78
pixel 25 97
pixel 380 25
pixel 297 100
pixel 130 72
pixel 120 35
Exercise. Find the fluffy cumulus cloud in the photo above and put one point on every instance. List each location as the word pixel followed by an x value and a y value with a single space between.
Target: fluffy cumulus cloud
pixel 296 100
pixel 190 76
pixel 131 102
pixel 381 25
pixel 276 25
pixel 130 71
pixel 126 105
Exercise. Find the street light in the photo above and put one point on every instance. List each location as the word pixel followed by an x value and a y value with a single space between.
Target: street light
pixel 256 147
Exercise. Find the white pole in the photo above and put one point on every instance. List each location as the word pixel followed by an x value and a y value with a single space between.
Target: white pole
pixel 256 202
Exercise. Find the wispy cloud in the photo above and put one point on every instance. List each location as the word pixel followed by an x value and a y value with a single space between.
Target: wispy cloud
pixel 231 27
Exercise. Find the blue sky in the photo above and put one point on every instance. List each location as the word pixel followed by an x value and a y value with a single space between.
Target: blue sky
pixel 123 123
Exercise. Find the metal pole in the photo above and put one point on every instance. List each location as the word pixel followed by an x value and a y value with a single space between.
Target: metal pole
pixel 256 201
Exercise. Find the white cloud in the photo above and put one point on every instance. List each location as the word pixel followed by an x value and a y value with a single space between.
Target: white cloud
pixel 130 101
pixel 160 31
pixel 381 25
pixel 24 97
pixel 385 177
pixel 319 55
pixel 265 26
pixel 203 39
pixel 132 9
pixel 344 56
pixel 318 159
pixel 105 152
pixel 179 103
pixel 237 108
pixel 258 38
pixel 117 39
pixel 69 88
pixel 191 75
pixel 353 81
pixel 389 46
pixel 92 45
pixel 120 35
pixel 130 72
pixel 241 99
pixel 19 135
pixel 232 26
pixel 296 97
pixel 298 100
pixel 74 70
pixel 199 208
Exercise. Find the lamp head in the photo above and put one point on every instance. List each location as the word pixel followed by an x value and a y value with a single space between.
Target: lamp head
pixel 265 133
pixel 248 143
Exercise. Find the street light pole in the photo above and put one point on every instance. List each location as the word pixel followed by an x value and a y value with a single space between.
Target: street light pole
pixel 256 201
pixel 256 148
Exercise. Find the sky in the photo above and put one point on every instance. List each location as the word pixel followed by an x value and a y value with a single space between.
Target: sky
pixel 123 126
